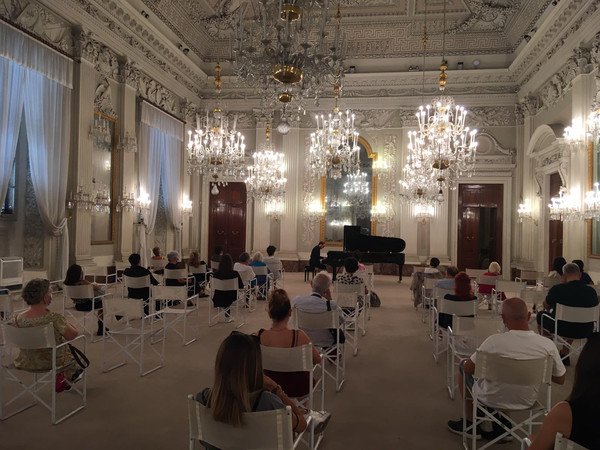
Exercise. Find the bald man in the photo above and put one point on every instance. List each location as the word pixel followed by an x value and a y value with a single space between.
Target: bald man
pixel 518 343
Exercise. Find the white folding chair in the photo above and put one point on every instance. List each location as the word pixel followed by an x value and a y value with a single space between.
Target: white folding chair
pixel 489 280
pixel 367 278
pixel 188 307
pixel 158 265
pixel 299 359
pixel 464 336
pixel 335 354
pixel 265 430
pixel 132 335
pixel 84 291
pixel 509 289
pixel 475 273
pixel 527 372
pixel 596 287
pixel 530 275
pixel 427 296
pixel 277 273
pixel 248 277
pixel 179 274
pixel 534 298
pixel 102 276
pixel 134 283
pixel 43 380
pixel 450 307
pixel 347 298
pixel 551 281
pixel 261 289
pixel 570 315
pixel 562 443
pixel 120 266
pixel 214 313
pixel 438 292
pixel 201 270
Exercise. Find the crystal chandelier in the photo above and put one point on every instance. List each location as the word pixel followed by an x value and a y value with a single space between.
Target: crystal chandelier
pixel 100 132
pixel 334 146
pixel 128 143
pixel 186 206
pixel 102 203
pixel 424 209
pixel 274 208
pixel 592 203
pixel 564 207
pixel 283 49
pixel 81 199
pixel 356 189
pixel 525 212
pixel 126 202
pixel 265 180
pixel 216 149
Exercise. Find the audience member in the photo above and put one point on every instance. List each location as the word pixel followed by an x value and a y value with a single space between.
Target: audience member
pixel 570 293
pixel 448 282
pixel 349 277
pixel 216 258
pixel 557 267
pixel 294 384
pixel 317 302
pixel 315 257
pixel 518 343
pixel 199 278
pixel 494 270
pixel 432 268
pixel 271 258
pixel 273 263
pixel 38 296
pixel 137 271
pixel 463 292
pixel 240 385
pixel 418 277
pixel 585 277
pixel 75 277
pixel 224 299
pixel 243 267
pixel 157 256
pixel 577 417
pixel 257 261
pixel 356 255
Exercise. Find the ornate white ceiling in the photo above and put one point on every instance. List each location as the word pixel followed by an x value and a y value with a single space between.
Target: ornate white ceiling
pixel 374 28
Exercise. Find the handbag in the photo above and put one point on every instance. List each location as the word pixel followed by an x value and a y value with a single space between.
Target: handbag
pixel 79 357
pixel 334 331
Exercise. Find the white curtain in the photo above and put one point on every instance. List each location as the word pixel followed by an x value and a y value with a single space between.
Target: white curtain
pixel 48 119
pixel 171 181
pixel 12 87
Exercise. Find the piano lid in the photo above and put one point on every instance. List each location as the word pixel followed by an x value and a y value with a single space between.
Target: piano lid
pixel 354 240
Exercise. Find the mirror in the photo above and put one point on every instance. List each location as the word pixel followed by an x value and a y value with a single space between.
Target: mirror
pixel 594 177
pixel 104 160
pixel 348 200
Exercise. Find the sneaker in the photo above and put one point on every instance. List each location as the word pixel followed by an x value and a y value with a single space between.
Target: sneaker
pixel 321 419
pixel 456 426
pixel 497 430
pixel 77 376
pixel 566 360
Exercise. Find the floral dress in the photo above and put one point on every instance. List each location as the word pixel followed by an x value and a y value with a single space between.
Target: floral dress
pixel 41 359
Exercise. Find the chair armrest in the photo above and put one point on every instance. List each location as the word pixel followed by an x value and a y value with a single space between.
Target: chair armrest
pixel 79 336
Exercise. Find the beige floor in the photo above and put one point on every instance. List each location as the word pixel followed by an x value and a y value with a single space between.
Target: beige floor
pixel 394 396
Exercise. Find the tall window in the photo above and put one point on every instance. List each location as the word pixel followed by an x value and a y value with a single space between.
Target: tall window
pixel 8 205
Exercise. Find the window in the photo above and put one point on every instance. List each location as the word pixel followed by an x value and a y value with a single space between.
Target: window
pixel 8 205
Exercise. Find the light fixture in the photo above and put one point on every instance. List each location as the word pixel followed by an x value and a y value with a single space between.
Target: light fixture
pixel 594 123
pixel 143 204
pixel 525 212
pixel 215 149
pixel 99 132
pixel 424 210
pixel 381 213
pixel 565 207
pixel 81 199
pixel 128 143
pixel 102 202
pixel 356 188
pixel 186 206
pixel 274 208
pixel 592 203
pixel 283 49
pixel 214 190
pixel 126 202
pixel 315 211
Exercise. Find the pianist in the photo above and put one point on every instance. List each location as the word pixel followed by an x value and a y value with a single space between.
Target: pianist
pixel 315 257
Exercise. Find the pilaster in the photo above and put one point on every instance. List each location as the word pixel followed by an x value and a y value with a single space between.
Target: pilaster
pixel 261 232
pixel 289 237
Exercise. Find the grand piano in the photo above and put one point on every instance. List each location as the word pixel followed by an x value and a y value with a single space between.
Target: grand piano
pixel 370 249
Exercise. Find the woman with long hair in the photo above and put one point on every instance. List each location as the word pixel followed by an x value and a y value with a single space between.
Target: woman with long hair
pixel 240 386
pixel 195 262
pixel 75 277
pixel 224 299
pixel 463 291
pixel 578 416
pixel 557 267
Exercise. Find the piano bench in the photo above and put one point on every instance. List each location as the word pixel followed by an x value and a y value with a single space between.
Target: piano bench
pixel 309 270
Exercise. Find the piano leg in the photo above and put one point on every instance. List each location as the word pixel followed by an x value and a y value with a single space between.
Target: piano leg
pixel 400 267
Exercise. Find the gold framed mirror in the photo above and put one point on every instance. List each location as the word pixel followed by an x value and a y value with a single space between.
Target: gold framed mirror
pixel 346 200
pixel 593 225
pixel 104 178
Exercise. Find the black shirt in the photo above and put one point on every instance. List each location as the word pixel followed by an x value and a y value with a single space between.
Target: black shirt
pixel 573 293
pixel 174 281
pixel 138 272
pixel 315 256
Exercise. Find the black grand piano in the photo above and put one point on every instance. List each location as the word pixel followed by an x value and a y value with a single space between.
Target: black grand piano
pixel 370 249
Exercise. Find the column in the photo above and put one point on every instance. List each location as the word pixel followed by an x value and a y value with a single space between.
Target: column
pixel 261 227
pixel 293 151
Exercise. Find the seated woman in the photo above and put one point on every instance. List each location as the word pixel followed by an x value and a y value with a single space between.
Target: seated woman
pixel 577 417
pixel 38 297
pixel 463 292
pixel 224 299
pixel 557 267
pixel 240 385
pixel 295 384
pixel 195 262
pixel 494 270
pixel 175 264
pixel 75 278
pixel 157 256
pixel 257 261
pixel 349 276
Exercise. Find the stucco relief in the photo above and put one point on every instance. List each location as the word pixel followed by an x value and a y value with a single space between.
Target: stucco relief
pixel 156 93
pixel 486 16
pixel 490 116
pixel 103 98
pixel 103 58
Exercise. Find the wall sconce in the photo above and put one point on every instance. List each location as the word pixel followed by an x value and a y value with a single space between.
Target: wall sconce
pixel 564 207
pixel 525 212
pixel 99 132
pixel 143 204
pixel 186 206
pixel 274 209
pixel 128 143
pixel 381 213
pixel 592 203
pixel 315 211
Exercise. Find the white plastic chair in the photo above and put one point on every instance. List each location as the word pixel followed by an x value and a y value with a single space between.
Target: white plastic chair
pixel 134 283
pixel 120 266
pixel 347 298
pixel 464 336
pixel 475 273
pixel 528 372
pixel 167 295
pixel 261 289
pixel 530 275
pixel 39 338
pixel 277 273
pixel 110 278
pixel 334 354
pixel 248 277
pixel 179 274
pixel 438 293
pixel 214 313
pixel 450 307
pixel 265 430
pixel 509 289
pixel 562 443
pixel 132 335
pixel 551 281
pixel 427 296
pixel 299 359
pixel 489 280
pixel 84 291
pixel 367 278
pixel 200 270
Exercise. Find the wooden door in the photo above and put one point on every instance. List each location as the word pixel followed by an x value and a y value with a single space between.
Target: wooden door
pixel 555 228
pixel 480 211
pixel 227 220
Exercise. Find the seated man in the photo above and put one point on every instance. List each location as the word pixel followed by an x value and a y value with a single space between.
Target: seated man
pixel 315 257
pixel 271 258
pixel 572 292
pixel 448 282
pixel 518 343
pixel 317 302
pixel 243 267
pixel 137 271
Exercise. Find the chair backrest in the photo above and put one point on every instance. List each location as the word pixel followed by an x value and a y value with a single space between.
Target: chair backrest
pixel 274 266
pixel 346 299
pixel 475 273
pixel 534 296
pixel 531 275
pixel 418 269
pixel 136 282
pixel 551 281
pixel 230 284
pixel 246 276
pixel 369 268
pixel 30 337
pixel 158 263
pixel 562 443
pixel 265 430
pixel 521 372
pixel 82 291
pixel 98 271
pixel 6 304
pixel 577 314
pixel 479 327
pixel 487 279
pixel 441 292
pixel 200 269
pixel 127 307
pixel 169 292
pixel 510 286
pixel 349 288
pixel 291 359
pixel 174 274
pixel 460 308
pixel 429 283
pixel 260 270
pixel 214 265
pixel 316 321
